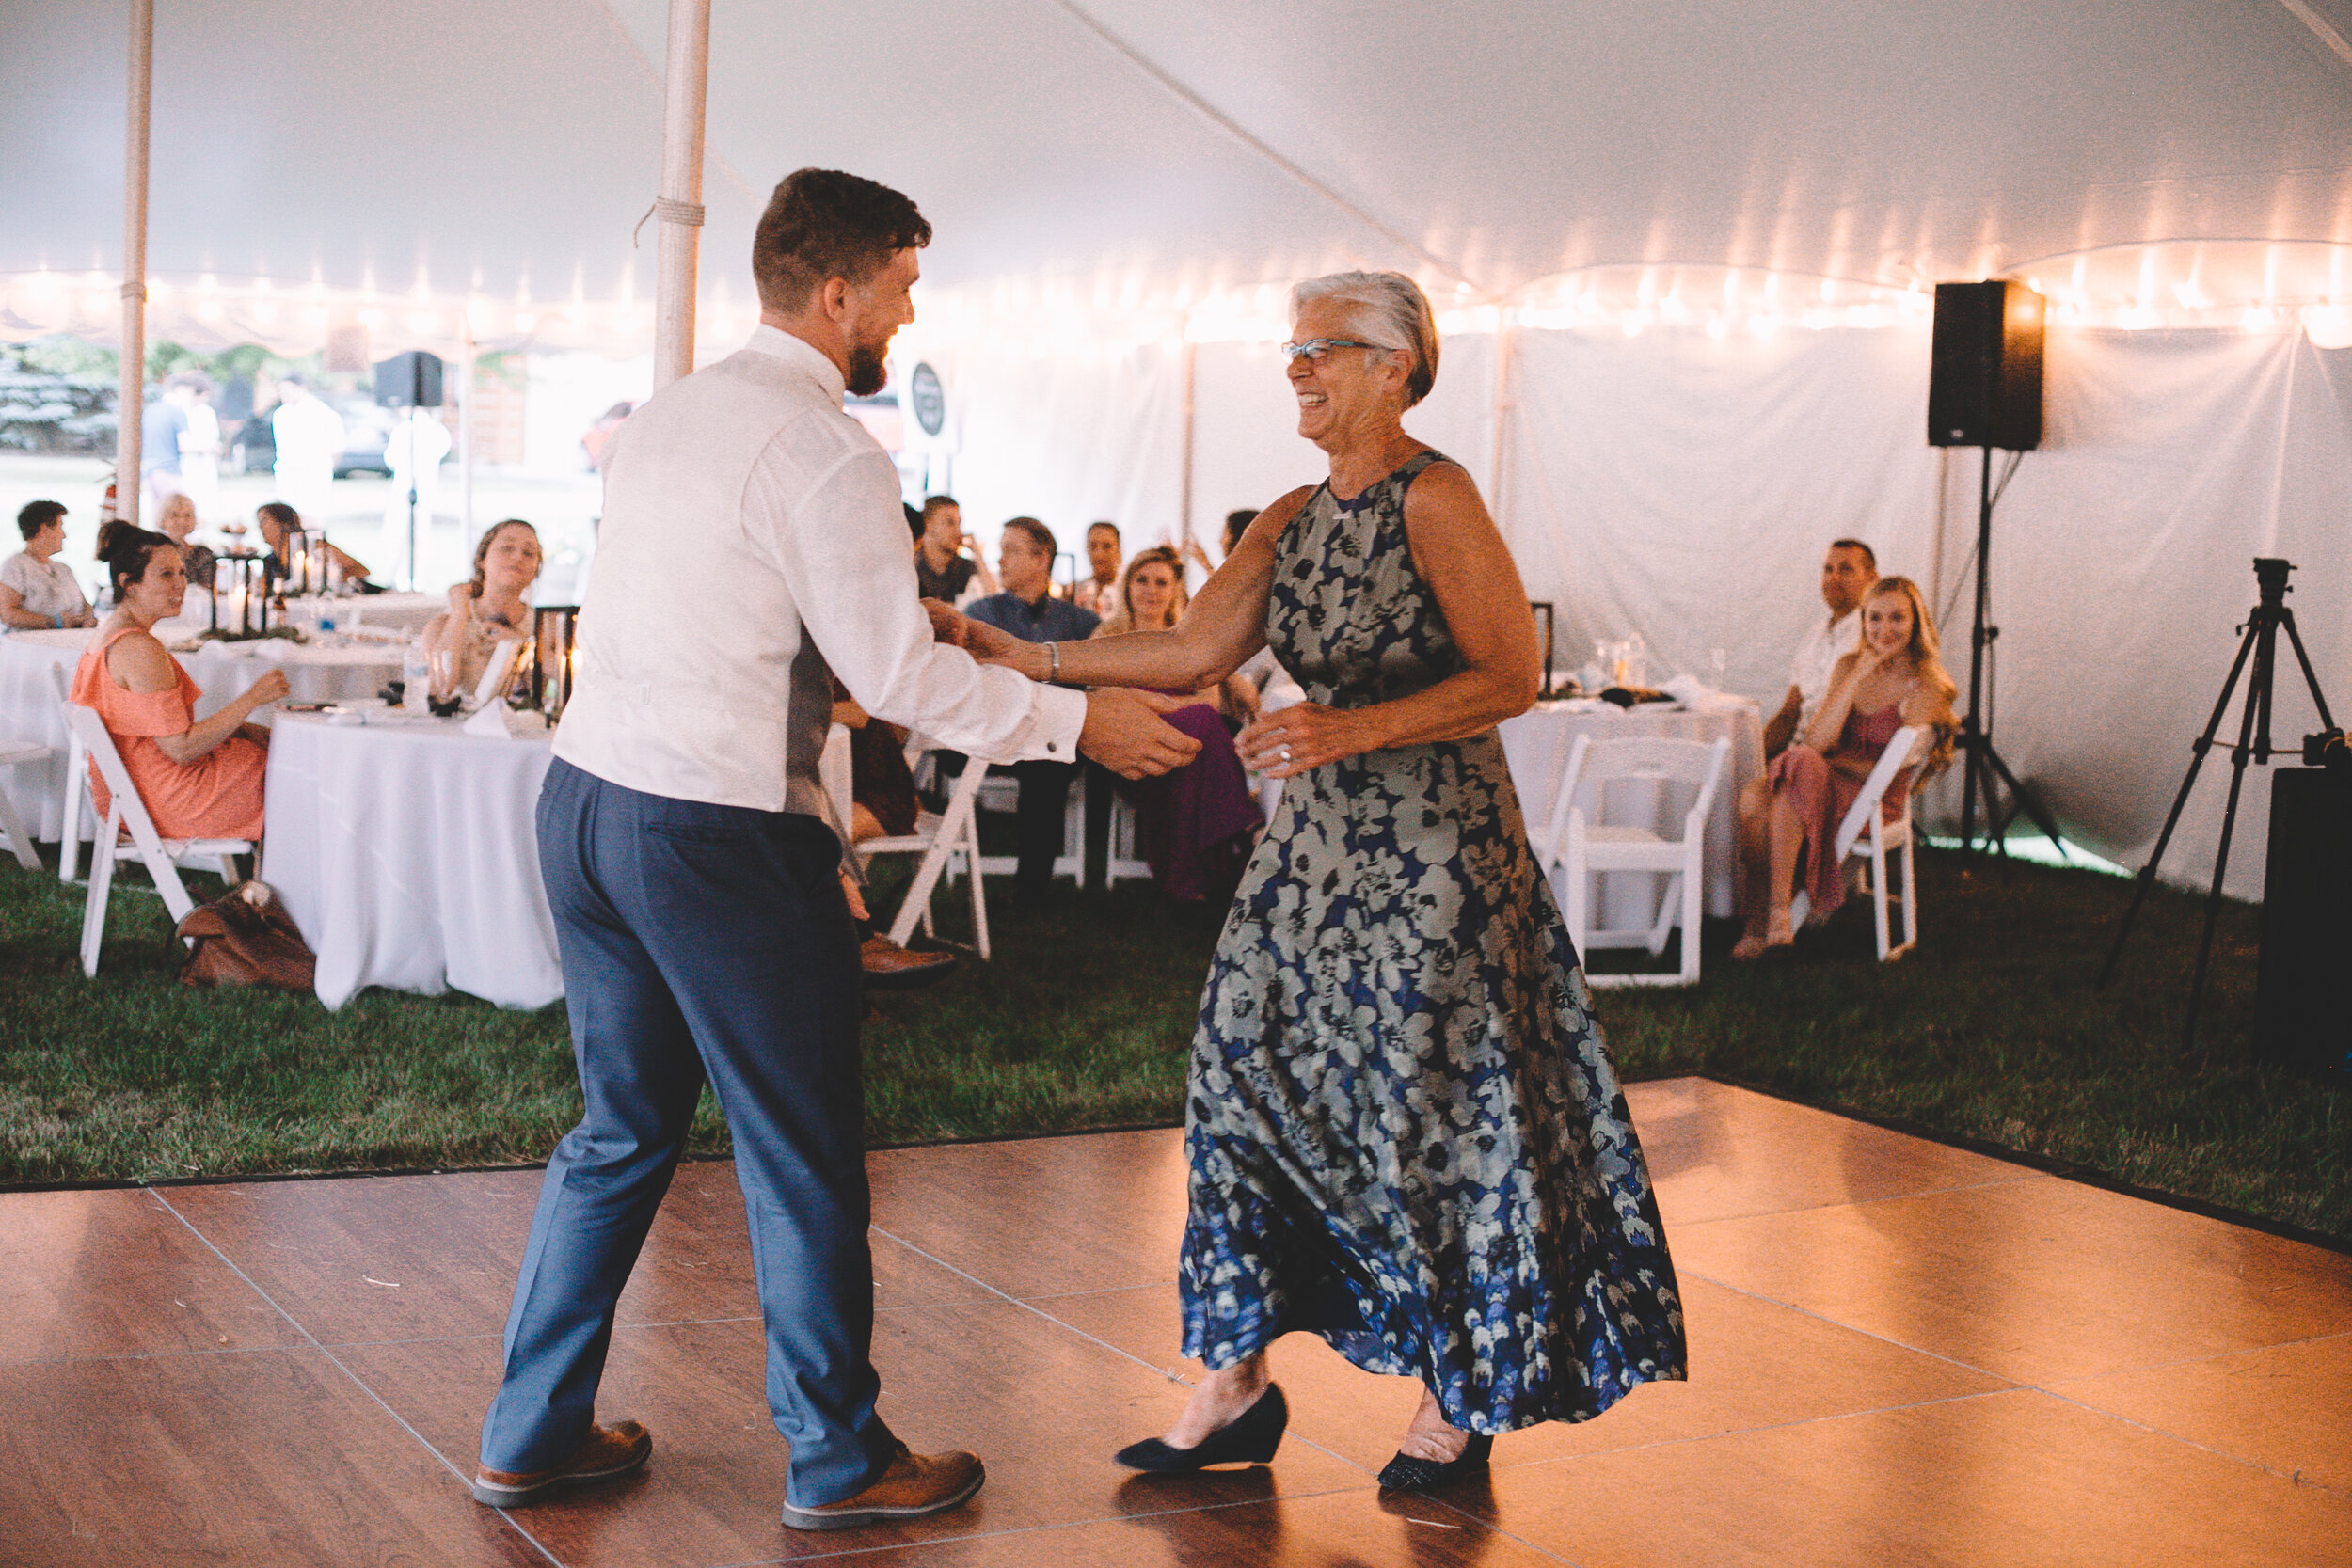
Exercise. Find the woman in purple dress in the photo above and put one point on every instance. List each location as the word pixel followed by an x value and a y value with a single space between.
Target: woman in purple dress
pixel 1194 825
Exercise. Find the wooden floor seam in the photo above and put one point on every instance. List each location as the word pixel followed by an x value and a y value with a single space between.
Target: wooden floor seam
pixel 356 1381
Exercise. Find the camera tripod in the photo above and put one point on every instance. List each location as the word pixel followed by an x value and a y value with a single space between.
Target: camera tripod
pixel 2261 641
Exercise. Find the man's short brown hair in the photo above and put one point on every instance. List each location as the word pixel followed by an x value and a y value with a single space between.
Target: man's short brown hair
pixel 1039 534
pixel 822 224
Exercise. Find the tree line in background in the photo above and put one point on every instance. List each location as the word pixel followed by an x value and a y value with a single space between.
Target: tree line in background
pixel 57 394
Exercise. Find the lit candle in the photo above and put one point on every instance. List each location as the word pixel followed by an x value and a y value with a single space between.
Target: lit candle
pixel 302 572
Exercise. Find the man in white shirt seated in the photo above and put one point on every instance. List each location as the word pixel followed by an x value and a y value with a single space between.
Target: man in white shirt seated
pixel 751 549
pixel 1847 573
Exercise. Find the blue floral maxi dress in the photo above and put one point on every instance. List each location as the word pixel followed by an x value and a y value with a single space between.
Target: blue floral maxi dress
pixel 1402 1128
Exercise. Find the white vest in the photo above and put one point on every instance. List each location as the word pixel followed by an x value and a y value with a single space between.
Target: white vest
pixel 693 677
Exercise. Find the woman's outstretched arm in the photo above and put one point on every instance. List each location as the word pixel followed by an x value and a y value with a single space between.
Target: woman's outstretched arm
pixel 1222 627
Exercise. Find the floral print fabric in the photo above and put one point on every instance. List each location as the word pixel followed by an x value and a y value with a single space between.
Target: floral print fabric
pixel 1402 1128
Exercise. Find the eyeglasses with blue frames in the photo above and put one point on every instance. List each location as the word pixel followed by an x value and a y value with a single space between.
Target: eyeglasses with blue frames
pixel 1313 349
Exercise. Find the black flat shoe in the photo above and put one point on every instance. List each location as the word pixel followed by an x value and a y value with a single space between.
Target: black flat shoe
pixel 1248 1438
pixel 1406 1474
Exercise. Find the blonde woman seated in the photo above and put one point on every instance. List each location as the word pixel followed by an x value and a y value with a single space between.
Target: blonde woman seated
pixel 200 778
pixel 1194 824
pixel 460 643
pixel 1789 819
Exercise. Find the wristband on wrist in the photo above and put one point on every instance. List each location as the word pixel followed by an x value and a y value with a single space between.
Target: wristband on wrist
pixel 1052 663
pixel 57 623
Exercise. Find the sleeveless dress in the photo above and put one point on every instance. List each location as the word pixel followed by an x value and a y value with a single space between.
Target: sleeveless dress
pixel 217 796
pixel 1403 1128
pixel 1822 796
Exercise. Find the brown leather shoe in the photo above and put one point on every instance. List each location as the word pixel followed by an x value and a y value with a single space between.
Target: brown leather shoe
pixel 916 1484
pixel 887 964
pixel 607 1453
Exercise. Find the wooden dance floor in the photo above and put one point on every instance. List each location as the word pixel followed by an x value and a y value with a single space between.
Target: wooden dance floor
pixel 1901 1354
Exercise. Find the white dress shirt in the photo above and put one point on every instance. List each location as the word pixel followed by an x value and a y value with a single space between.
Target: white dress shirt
pixel 1830 640
pixel 751 547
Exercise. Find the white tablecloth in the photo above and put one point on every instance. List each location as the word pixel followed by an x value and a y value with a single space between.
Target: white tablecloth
pixel 1538 745
pixel 28 711
pixel 405 852
pixel 404 612
pixel 222 671
pixel 315 674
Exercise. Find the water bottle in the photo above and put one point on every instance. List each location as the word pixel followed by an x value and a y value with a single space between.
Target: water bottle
pixel 416 678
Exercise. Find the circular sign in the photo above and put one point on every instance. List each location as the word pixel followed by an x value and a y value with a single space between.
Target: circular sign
pixel 929 398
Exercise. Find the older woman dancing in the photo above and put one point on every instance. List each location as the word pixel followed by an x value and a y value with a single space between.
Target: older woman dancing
pixel 1404 1132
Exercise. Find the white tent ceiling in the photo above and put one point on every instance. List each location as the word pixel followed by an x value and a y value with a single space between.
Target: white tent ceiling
pixel 1125 155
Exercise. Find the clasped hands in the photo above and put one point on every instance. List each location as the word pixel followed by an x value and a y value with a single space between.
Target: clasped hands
pixel 1123 729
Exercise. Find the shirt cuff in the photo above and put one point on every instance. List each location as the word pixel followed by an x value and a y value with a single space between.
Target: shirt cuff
pixel 1057 714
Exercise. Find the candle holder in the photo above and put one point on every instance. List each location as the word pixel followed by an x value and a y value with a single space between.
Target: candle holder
pixel 1544 612
pixel 554 640
pixel 241 595
pixel 301 561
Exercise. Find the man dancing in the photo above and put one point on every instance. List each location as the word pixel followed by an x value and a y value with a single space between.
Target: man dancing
pixel 751 547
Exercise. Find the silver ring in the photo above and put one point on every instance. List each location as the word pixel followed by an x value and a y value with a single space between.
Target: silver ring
pixel 1286 753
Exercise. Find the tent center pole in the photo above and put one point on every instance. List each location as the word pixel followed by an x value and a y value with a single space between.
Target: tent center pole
pixel 685 89
pixel 130 395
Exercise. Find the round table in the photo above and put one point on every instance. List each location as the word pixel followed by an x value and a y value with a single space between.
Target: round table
pixel 405 851
pixel 1536 744
pixel 314 672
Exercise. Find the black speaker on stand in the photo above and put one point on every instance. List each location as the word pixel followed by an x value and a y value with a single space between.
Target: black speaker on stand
pixel 1984 390
pixel 410 380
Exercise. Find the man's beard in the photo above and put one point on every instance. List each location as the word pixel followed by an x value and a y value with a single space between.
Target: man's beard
pixel 869 369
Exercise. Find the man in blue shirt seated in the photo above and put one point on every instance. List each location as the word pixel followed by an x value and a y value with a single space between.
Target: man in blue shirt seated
pixel 1028 610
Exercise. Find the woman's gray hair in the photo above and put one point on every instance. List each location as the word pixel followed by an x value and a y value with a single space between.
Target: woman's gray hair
pixel 1396 315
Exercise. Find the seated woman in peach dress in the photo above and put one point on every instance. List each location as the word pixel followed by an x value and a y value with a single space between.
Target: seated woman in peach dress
pixel 1789 819
pixel 198 778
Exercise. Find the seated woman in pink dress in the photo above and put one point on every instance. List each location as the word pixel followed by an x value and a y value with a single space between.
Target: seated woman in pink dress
pixel 1194 825
pixel 1789 817
pixel 198 778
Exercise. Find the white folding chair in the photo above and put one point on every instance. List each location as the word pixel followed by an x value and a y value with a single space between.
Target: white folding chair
pixel 1001 792
pixel 1575 849
pixel 1885 836
pixel 12 754
pixel 161 856
pixel 949 841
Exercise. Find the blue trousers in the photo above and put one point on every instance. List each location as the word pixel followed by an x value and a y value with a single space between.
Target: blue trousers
pixel 702 941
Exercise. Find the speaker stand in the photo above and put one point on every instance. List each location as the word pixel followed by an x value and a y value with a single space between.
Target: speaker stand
pixel 2259 643
pixel 1982 771
pixel 408 566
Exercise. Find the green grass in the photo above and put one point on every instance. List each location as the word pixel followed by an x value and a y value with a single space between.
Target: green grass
pixel 1992 1031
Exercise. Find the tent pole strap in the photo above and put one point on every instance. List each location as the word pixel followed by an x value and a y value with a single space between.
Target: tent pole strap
pixel 132 392
pixel 688 67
